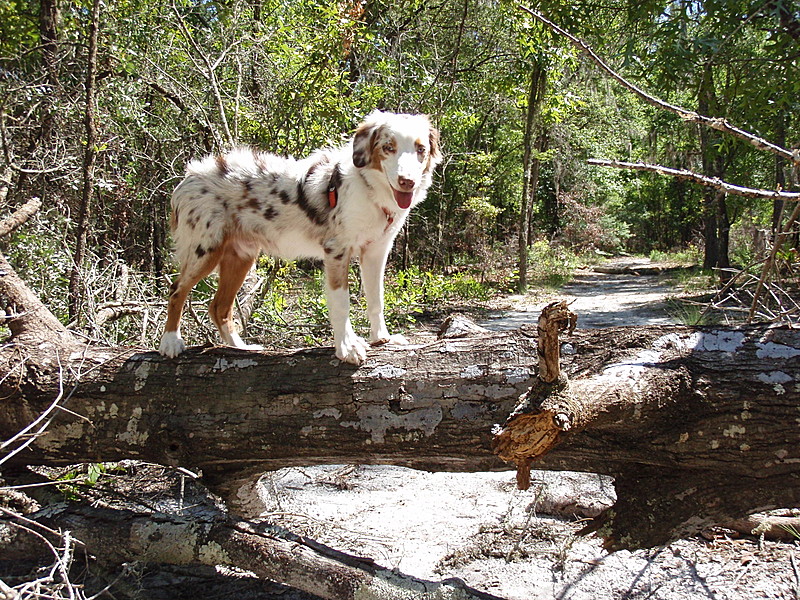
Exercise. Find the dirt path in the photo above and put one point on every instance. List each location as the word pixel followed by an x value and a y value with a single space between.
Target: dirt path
pixel 626 291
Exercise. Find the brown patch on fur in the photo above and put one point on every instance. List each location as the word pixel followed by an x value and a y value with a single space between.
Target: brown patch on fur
pixel 222 165
pixel 337 269
pixel 184 284
pixel 378 155
pixel 338 279
pixel 233 268
pixel 434 148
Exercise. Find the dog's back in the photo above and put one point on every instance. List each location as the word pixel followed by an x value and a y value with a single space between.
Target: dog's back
pixel 257 199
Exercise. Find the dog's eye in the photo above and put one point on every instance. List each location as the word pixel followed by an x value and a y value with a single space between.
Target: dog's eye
pixel 421 151
pixel 388 148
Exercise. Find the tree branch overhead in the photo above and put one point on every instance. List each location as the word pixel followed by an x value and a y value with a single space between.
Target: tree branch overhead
pixel 687 115
pixel 701 179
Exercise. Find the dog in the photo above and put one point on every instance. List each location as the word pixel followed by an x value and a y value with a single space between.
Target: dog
pixel 336 205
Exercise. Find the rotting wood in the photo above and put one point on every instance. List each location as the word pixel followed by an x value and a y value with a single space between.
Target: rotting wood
pixel 530 431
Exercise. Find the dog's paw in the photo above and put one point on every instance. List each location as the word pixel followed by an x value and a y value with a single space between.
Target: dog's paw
pixel 395 339
pixel 171 344
pixel 253 347
pixel 352 350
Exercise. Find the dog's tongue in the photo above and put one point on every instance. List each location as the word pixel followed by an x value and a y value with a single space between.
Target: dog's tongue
pixel 403 199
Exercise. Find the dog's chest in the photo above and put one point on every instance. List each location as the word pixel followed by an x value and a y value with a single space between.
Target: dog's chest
pixel 371 224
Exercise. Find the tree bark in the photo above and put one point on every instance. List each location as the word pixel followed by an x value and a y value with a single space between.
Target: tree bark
pixel 697 425
pixel 530 167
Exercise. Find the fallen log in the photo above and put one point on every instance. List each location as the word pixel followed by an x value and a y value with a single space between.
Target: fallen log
pixel 697 425
pixel 116 536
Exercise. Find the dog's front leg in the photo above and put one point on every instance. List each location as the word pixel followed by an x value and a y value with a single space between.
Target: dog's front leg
pixel 348 346
pixel 373 268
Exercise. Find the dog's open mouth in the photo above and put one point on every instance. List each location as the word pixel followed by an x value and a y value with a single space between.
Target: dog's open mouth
pixel 403 199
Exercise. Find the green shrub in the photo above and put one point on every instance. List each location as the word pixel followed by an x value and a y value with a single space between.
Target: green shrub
pixel 550 265
pixel 691 255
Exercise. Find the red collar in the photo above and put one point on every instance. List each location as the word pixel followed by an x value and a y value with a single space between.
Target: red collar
pixel 333 187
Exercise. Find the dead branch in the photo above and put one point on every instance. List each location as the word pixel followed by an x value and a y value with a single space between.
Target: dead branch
pixel 209 73
pixel 714 182
pixel 203 126
pixel 20 216
pixel 31 321
pixel 768 264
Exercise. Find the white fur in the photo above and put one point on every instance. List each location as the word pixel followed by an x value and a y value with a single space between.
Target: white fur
pixel 229 208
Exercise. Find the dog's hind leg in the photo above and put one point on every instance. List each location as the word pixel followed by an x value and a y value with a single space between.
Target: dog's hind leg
pixel 192 271
pixel 234 265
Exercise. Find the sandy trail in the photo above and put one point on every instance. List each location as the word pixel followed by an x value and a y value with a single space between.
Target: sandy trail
pixel 628 291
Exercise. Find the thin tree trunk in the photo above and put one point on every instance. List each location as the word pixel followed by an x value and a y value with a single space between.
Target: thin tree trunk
pixel 780 174
pixel 530 165
pixel 76 290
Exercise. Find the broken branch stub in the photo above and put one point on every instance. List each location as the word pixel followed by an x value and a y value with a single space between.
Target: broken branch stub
pixel 532 429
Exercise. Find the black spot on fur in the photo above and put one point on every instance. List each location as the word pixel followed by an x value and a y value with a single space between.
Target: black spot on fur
pixel 315 166
pixel 200 251
pixel 204 191
pixel 359 158
pixel 248 185
pixel 208 224
pixel 285 197
pixel 315 214
pixel 270 213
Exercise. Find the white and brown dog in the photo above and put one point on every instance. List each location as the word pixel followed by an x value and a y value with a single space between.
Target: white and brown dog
pixel 337 204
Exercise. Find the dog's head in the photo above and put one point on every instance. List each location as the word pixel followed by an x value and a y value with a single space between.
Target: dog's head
pixel 403 147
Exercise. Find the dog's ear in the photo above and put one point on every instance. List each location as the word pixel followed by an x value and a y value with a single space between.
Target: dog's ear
pixel 435 156
pixel 366 138
pixel 362 144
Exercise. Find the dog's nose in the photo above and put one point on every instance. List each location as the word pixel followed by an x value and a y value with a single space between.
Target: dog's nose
pixel 406 184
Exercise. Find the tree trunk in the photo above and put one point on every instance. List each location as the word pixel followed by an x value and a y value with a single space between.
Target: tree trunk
pixel 89 160
pixel 715 213
pixel 530 167
pixel 697 425
pixel 780 175
pixel 704 415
